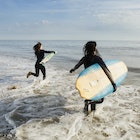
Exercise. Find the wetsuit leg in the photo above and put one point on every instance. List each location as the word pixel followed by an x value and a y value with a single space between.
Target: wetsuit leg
pixel 36 74
pixel 86 107
pixel 93 106
pixel 99 101
pixel 92 103
pixel 43 70
pixel 37 70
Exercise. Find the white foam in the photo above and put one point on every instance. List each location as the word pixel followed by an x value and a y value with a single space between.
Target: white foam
pixel 52 109
pixel 116 118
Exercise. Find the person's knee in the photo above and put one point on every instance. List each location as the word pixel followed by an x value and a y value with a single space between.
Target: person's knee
pixel 36 75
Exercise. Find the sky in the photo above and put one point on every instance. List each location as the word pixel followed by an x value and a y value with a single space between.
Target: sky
pixel 70 19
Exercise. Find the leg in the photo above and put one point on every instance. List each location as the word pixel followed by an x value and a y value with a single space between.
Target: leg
pixel 43 70
pixel 36 74
pixel 99 101
pixel 93 106
pixel 86 107
pixel 93 103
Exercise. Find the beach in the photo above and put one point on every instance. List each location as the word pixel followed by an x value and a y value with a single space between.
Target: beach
pixel 33 109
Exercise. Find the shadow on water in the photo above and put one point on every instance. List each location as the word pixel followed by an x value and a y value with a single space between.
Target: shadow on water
pixel 36 107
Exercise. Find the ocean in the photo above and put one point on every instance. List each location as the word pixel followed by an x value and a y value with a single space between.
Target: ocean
pixel 33 109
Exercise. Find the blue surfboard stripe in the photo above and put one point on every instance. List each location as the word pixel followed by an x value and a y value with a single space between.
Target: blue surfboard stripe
pixel 96 67
pixel 109 89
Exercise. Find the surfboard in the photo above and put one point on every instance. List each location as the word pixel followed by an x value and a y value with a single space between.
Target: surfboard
pixel 93 84
pixel 47 58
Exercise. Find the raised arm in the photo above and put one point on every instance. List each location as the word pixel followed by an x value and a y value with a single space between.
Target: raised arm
pixel 49 51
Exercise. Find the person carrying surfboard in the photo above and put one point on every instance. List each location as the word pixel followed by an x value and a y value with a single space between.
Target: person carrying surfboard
pixel 39 52
pixel 92 56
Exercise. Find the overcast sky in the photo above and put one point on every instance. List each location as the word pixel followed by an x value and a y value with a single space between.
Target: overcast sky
pixel 70 19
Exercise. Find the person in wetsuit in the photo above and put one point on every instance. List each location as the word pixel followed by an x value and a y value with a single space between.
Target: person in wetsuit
pixel 39 52
pixel 92 56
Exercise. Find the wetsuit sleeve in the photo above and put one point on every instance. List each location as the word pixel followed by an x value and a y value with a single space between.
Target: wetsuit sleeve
pixel 78 65
pixel 105 69
pixel 49 51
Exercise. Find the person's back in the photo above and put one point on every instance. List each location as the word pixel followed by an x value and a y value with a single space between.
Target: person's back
pixel 39 55
pixel 93 59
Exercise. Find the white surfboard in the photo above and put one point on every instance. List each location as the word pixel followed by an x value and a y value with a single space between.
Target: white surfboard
pixel 93 84
pixel 47 58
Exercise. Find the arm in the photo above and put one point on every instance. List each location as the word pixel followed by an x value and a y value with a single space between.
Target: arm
pixel 77 65
pixel 107 72
pixel 49 51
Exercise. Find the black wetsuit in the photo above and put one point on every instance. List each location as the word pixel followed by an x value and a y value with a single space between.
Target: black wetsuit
pixel 38 66
pixel 89 60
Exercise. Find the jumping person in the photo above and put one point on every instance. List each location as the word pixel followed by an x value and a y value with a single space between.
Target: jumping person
pixel 39 52
pixel 92 56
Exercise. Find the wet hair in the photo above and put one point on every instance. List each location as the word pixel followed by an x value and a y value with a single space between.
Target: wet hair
pixel 89 48
pixel 37 47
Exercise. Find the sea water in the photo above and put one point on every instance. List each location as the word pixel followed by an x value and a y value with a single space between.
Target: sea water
pixel 33 109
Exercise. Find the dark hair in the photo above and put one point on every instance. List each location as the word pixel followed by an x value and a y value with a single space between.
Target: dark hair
pixel 37 47
pixel 90 47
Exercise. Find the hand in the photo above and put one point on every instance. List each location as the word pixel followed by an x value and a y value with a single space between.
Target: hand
pixel 72 70
pixel 114 86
